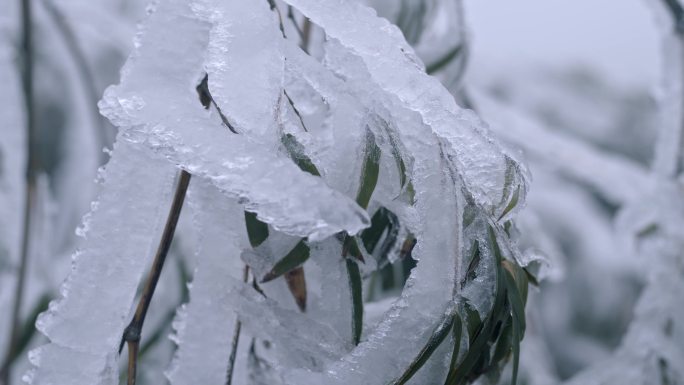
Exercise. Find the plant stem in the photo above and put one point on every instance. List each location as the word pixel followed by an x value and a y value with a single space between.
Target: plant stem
pixel 32 166
pixel 133 331
pixel 236 338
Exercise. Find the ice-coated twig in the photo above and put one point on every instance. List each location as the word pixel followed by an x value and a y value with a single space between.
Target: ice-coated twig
pixel 32 169
pixel 133 331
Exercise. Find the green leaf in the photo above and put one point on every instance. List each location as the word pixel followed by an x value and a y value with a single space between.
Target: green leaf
pixel 369 171
pixel 295 258
pixel 444 60
pixel 257 231
pixel 383 222
pixel 457 331
pixel 503 344
pixel 354 276
pixel 513 202
pixel 520 276
pixel 438 335
pixel 351 247
pixel 479 344
pixel 518 320
pixel 298 155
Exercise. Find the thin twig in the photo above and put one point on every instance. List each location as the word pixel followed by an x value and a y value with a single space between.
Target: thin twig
pixel 133 331
pixel 81 62
pixel 296 111
pixel 236 338
pixel 32 167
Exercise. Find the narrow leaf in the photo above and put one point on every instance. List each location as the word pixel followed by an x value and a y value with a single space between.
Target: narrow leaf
pixel 296 282
pixel 354 276
pixel 295 258
pixel 257 231
pixel 298 155
pixel 438 335
pixel 457 331
pixel 351 247
pixel 369 171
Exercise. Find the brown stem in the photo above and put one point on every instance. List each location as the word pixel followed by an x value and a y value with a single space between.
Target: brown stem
pixel 32 166
pixel 133 331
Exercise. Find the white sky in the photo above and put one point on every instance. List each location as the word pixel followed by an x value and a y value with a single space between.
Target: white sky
pixel 617 37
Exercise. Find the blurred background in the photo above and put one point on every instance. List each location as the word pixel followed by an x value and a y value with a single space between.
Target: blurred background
pixel 585 75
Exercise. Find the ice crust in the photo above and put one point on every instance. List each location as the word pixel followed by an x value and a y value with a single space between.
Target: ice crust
pixel 84 326
pixel 158 78
pixel 204 331
pixel 367 84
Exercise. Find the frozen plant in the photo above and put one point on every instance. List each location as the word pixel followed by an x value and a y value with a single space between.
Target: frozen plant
pixel 315 154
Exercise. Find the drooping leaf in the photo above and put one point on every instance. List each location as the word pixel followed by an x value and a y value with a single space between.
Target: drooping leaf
pixel 257 231
pixel 438 335
pixel 297 154
pixel 369 171
pixel 295 258
pixel 480 338
pixel 296 282
pixel 383 222
pixel 457 331
pixel 351 247
pixel 355 288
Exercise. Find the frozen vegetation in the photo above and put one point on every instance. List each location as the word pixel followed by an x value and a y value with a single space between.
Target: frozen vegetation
pixel 313 192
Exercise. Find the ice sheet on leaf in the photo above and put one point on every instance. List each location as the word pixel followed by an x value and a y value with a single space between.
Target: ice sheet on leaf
pixel 299 341
pixel 390 345
pixel 121 233
pixel 244 62
pixel 204 335
pixel 157 104
pixel 397 79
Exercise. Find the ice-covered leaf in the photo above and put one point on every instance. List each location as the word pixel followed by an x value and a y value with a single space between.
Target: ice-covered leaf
pixel 120 232
pixel 240 165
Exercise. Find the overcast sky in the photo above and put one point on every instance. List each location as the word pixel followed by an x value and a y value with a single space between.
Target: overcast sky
pixel 617 37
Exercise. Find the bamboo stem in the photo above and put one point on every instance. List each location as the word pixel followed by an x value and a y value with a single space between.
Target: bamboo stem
pixel 133 331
